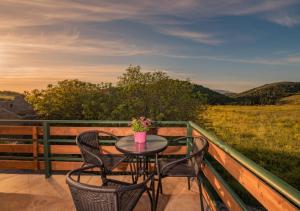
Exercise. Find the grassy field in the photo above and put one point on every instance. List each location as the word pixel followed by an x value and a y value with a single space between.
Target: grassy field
pixel 292 100
pixel 269 135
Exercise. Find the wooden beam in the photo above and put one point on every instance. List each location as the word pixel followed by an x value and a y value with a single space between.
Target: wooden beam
pixel 17 164
pixel 64 166
pixel 267 196
pixel 210 202
pixel 172 131
pixel 73 131
pixel 175 150
pixel 21 148
pixel 118 131
pixel 35 147
pixel 226 196
pixel 196 133
pixel 74 149
pixel 15 130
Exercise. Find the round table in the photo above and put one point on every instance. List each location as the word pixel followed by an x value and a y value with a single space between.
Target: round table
pixel 139 152
pixel 153 145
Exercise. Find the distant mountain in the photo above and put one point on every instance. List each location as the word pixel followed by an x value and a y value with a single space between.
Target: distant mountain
pixel 224 92
pixel 213 97
pixel 267 94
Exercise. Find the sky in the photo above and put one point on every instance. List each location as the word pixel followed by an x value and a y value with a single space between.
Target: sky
pixel 231 45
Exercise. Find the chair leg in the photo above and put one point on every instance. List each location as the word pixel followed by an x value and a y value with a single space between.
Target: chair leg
pixel 153 205
pixel 103 174
pixel 79 173
pixel 161 188
pixel 189 183
pixel 144 168
pixel 151 200
pixel 157 191
pixel 199 181
pixel 131 171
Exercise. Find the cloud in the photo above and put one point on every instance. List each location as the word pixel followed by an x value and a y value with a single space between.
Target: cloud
pixel 49 37
pixel 245 7
pixel 294 59
pixel 28 46
pixel 18 13
pixel 284 18
pixel 200 37
pixel 288 60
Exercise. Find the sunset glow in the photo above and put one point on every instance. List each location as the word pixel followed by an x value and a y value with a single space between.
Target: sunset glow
pixel 233 46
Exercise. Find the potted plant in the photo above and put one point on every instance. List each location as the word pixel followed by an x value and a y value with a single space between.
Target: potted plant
pixel 140 126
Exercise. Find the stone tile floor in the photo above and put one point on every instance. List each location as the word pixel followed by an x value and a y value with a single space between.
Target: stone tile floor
pixel 30 192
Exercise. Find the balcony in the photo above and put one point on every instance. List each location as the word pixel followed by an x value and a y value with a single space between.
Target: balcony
pixel 35 156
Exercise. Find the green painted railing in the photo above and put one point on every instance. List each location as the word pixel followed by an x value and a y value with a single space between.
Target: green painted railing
pixel 278 184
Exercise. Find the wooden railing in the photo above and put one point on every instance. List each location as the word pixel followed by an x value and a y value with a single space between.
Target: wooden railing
pixel 272 192
pixel 49 146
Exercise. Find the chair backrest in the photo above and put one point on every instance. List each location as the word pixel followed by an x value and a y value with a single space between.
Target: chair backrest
pixel 90 148
pixel 92 198
pixel 199 148
pixel 113 196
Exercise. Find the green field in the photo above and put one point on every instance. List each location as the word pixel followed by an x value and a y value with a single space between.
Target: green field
pixel 269 135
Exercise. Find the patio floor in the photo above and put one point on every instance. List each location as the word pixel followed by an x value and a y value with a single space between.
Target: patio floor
pixel 34 192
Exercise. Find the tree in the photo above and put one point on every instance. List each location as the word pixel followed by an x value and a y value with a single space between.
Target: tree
pixel 157 96
pixel 151 94
pixel 66 100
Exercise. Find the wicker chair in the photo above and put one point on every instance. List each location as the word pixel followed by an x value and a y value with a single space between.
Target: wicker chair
pixel 189 166
pixel 112 195
pixel 92 153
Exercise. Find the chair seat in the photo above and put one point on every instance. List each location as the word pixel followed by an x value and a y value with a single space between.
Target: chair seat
pixel 182 169
pixel 127 199
pixel 110 161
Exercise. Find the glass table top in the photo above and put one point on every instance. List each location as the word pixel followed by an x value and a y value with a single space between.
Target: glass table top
pixel 153 144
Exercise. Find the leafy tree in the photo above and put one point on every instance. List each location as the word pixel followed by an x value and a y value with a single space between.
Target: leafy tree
pixel 151 94
pixel 156 95
pixel 66 100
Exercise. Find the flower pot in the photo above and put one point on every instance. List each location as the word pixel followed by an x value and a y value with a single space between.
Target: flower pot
pixel 140 137
pixel 140 147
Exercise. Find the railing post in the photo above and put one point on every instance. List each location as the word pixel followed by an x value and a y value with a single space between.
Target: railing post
pixel 35 147
pixel 47 160
pixel 189 135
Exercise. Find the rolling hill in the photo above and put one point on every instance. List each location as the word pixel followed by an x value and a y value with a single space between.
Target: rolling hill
pixel 224 92
pixel 267 94
pixel 213 97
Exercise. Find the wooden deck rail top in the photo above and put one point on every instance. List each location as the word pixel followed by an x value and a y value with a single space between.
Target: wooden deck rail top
pixel 49 145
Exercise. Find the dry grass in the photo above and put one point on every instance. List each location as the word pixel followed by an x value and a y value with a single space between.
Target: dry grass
pixel 292 100
pixel 269 135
